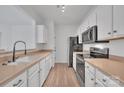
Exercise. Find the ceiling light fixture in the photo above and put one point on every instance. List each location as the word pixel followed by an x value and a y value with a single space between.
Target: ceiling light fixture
pixel 62 7
pixel 63 10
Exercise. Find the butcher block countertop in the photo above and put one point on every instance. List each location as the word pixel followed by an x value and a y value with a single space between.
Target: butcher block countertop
pixel 110 67
pixel 9 72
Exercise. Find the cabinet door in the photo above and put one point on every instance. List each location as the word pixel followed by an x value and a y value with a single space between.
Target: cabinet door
pixel 118 20
pixel 106 80
pixel 33 81
pixel 42 72
pixel 89 79
pixel 41 34
pixel 47 67
pixel 53 58
pixel 104 21
pixel 92 19
pixel 85 25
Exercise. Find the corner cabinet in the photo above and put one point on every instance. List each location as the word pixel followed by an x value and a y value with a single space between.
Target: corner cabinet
pixel 41 31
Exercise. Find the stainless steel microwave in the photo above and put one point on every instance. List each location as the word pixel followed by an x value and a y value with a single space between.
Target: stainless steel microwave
pixel 90 35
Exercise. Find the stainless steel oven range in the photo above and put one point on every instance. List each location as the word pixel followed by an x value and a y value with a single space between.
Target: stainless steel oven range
pixel 80 62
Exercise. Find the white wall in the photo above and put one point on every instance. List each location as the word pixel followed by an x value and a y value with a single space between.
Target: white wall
pixel 63 32
pixel 5 36
pixel 12 33
pixel 24 33
pixel 15 25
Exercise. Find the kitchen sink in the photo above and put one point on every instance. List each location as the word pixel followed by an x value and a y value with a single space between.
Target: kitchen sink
pixel 23 60
pixel 27 59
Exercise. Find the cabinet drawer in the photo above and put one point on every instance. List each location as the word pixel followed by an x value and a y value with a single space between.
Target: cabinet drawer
pixel 98 84
pixel 90 68
pixel 107 81
pixel 33 69
pixel 100 76
pixel 19 81
pixel 89 79
pixel 112 83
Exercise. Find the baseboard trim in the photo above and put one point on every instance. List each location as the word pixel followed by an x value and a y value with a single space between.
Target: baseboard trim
pixel 61 62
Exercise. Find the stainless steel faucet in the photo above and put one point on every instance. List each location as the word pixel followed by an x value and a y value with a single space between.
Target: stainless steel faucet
pixel 15 47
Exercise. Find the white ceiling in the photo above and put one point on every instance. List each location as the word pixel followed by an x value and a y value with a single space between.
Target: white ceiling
pixel 73 14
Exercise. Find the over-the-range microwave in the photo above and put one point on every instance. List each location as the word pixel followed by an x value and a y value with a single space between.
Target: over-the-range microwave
pixel 90 35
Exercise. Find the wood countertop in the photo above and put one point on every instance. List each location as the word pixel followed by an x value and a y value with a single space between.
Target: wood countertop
pixel 9 72
pixel 111 67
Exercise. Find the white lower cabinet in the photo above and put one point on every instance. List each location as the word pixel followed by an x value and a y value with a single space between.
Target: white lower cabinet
pixel 34 76
pixel 96 78
pixel 33 80
pixel 19 81
pixel 98 84
pixel 42 71
pixel 52 59
pixel 106 80
pixel 45 66
pixel 89 79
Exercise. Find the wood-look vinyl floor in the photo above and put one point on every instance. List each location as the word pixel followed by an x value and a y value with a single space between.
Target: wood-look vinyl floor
pixel 61 76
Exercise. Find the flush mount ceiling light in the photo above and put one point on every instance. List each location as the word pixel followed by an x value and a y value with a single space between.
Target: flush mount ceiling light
pixel 62 7
pixel 63 10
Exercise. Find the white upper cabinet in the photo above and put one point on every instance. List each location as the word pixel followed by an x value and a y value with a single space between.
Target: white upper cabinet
pixel 83 27
pixel 104 21
pixel 118 20
pixel 92 19
pixel 41 34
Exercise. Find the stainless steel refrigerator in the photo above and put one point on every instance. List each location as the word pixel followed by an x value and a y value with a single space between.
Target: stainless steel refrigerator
pixel 73 46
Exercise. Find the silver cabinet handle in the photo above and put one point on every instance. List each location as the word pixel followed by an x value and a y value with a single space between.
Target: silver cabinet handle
pixel 92 79
pixel 14 85
pixel 115 31
pixel 103 80
pixel 96 83
pixel 109 33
